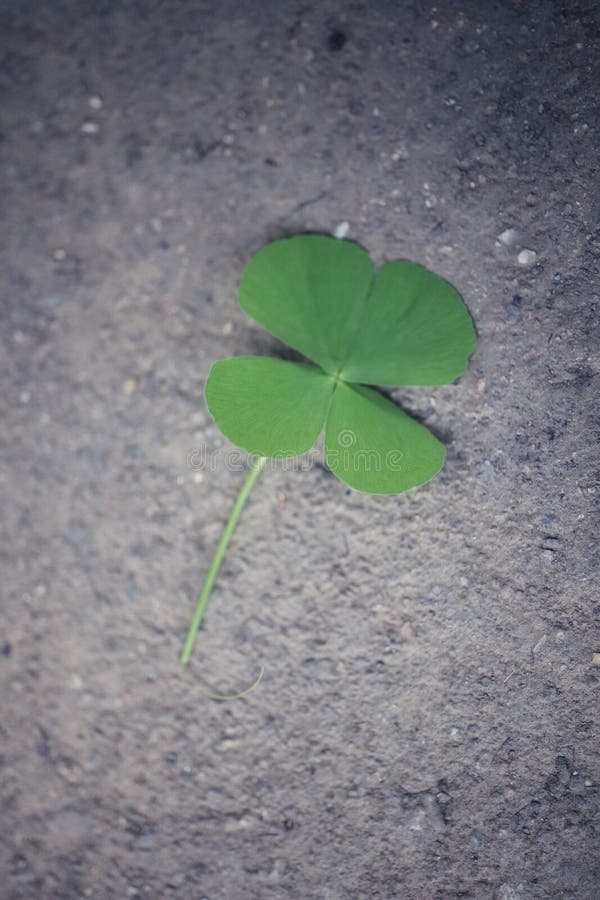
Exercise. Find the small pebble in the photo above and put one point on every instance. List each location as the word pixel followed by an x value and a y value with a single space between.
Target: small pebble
pixel 60 254
pixel 596 659
pixel 95 102
pixel 341 230
pixel 506 892
pixel 527 257
pixel 509 237
pixel 129 386
pixel 90 128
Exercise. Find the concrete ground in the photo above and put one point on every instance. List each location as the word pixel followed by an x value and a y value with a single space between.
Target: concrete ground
pixel 427 724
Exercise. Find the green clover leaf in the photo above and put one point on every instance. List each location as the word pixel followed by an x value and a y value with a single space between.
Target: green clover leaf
pixel 402 325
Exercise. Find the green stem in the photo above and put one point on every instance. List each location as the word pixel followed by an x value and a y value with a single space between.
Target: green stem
pixel 255 471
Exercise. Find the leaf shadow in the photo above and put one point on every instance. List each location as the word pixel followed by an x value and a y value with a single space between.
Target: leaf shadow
pixel 261 343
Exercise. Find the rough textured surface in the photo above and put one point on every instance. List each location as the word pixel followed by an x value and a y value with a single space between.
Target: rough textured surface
pixel 427 723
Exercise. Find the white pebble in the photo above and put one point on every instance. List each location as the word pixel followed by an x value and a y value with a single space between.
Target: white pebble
pixel 90 128
pixel 95 102
pixel 400 153
pixel 509 237
pixel 527 257
pixel 341 230
pixel 129 386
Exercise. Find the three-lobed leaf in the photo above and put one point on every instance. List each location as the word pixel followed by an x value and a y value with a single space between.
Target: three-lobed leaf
pixel 401 326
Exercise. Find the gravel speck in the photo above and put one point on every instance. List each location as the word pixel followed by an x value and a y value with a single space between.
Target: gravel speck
pixel 509 237
pixel 527 257
pixel 129 385
pixel 341 230
pixel 400 154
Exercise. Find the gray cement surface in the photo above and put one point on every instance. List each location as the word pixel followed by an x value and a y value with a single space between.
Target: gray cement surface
pixel 427 724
